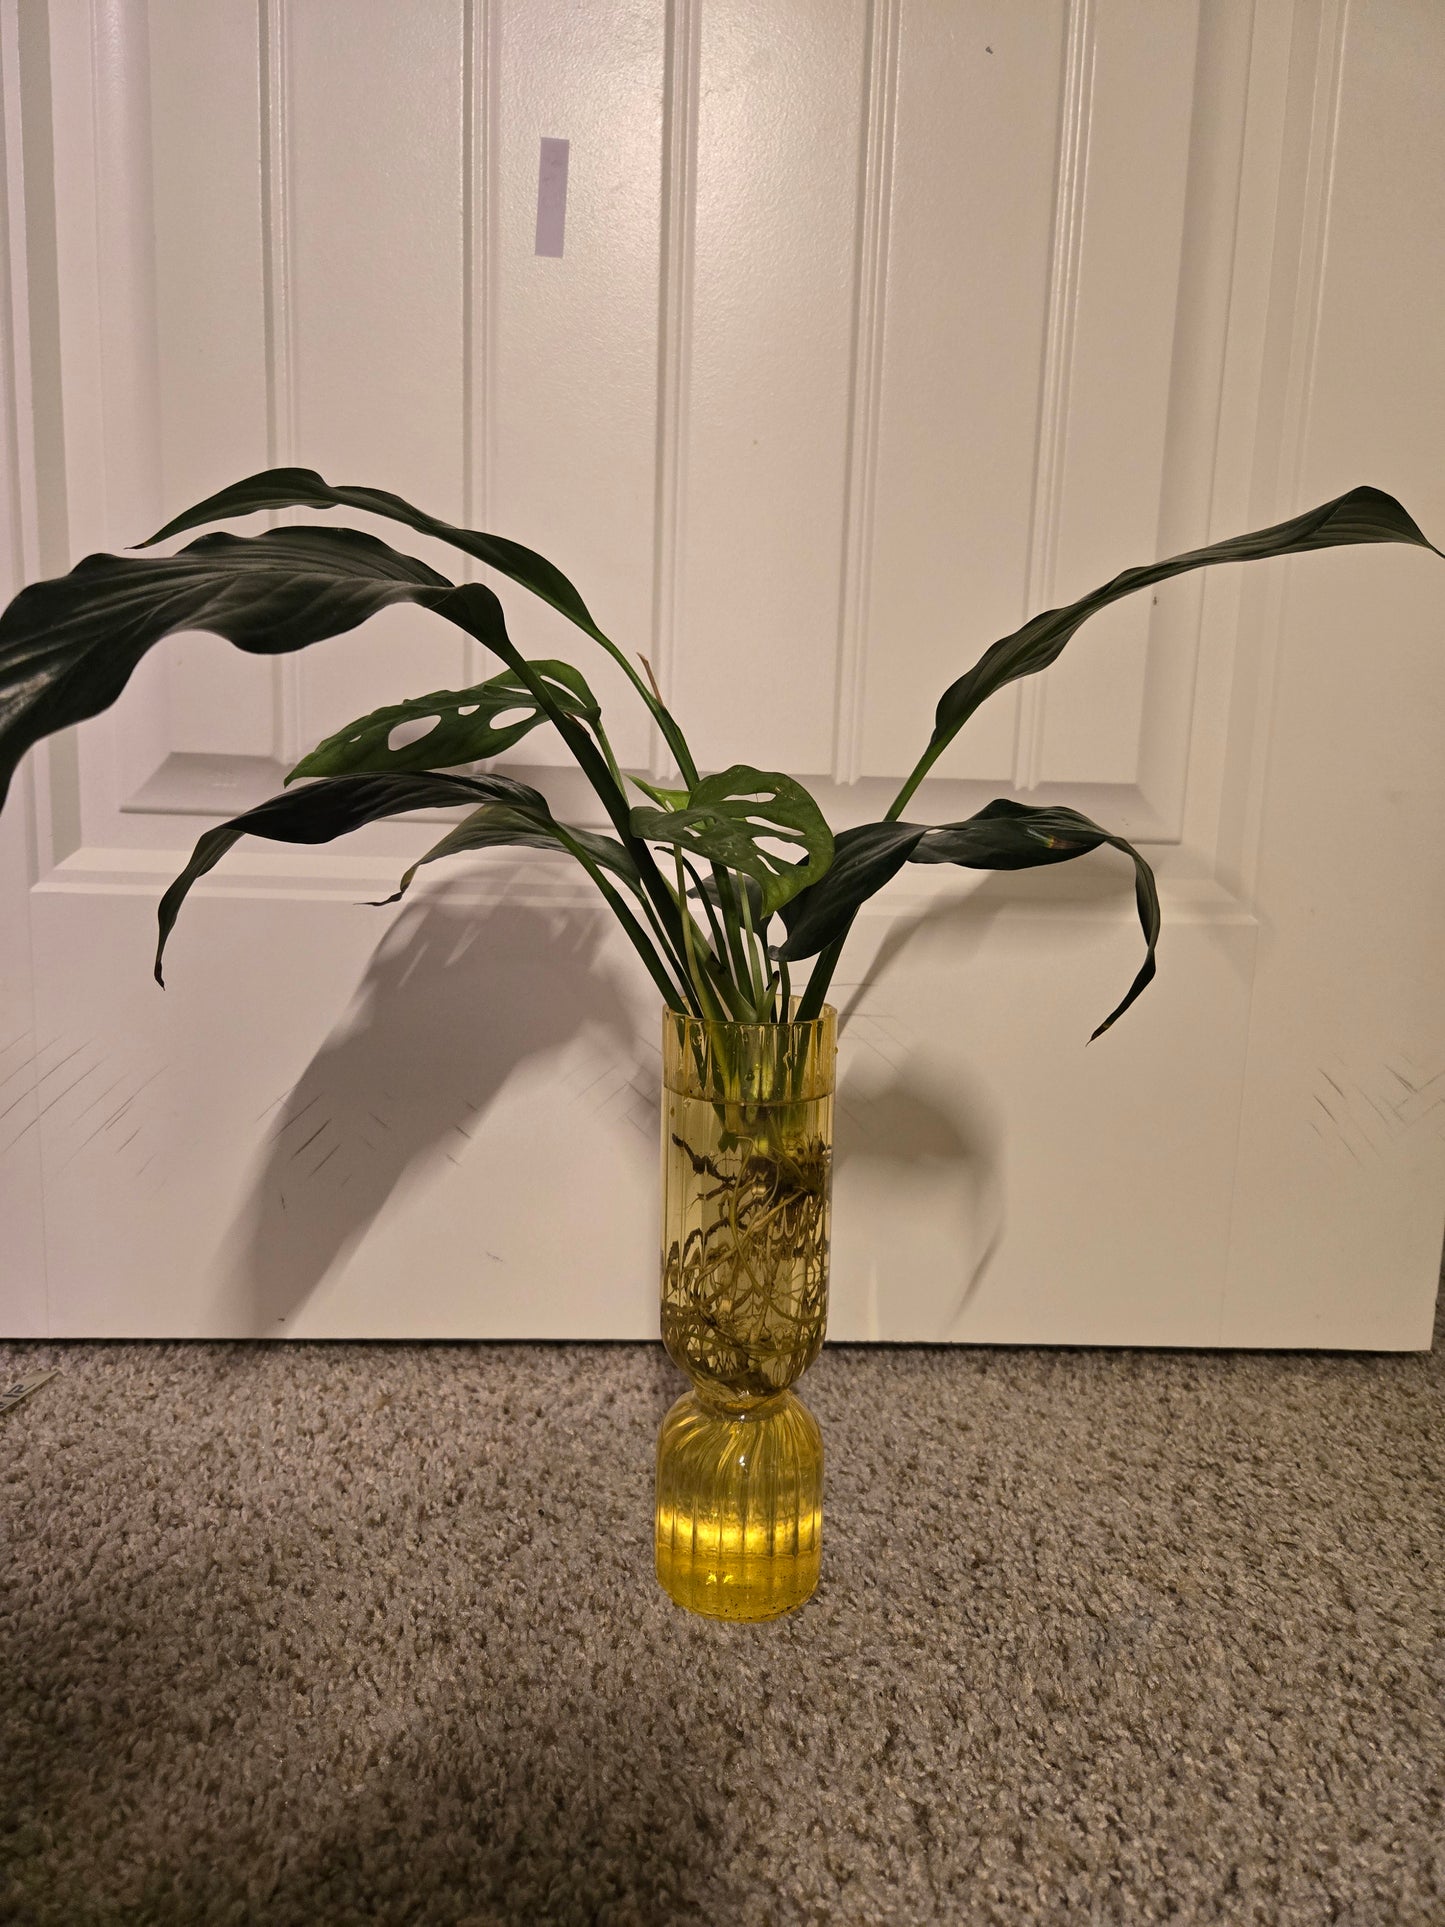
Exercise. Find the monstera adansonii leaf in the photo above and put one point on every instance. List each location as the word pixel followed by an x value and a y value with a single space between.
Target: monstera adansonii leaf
pixel 289 488
pixel 1363 515
pixel 467 725
pixel 1003 836
pixel 728 816
pixel 320 812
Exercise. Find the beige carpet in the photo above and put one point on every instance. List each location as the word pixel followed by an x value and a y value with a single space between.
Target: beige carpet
pixel 369 1633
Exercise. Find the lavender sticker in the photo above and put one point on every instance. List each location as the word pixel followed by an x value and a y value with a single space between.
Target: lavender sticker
pixel 552 197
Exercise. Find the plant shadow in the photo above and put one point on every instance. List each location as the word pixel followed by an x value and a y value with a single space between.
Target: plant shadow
pixel 457 998
pixel 449 1009
pixel 918 1210
pixel 920 1213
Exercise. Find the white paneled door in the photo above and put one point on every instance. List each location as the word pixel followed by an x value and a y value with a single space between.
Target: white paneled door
pixel 873 326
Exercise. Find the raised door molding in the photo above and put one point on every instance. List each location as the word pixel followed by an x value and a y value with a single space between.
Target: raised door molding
pixel 957 382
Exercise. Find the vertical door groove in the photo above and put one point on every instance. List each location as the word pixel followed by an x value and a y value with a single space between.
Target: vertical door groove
pixel 479 233
pixel 679 211
pixel 279 319
pixel 870 296
pixel 14 329
pixel 1063 304
pixel 1297 384
pixel 276 259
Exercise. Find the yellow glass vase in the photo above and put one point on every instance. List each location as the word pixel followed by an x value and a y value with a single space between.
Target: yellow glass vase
pixel 747 1167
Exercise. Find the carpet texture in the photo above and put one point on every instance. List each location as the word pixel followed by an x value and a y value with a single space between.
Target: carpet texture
pixel 369 1633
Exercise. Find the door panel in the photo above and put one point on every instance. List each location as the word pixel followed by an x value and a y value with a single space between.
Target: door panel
pixel 875 329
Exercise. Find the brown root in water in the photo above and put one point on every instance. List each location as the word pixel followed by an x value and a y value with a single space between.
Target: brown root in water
pixel 745 1296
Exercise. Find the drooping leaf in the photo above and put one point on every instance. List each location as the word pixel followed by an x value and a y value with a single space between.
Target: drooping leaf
pixel 1006 835
pixel 1015 836
pixel 1003 836
pixel 285 488
pixel 864 859
pixel 531 826
pixel 320 812
pixel 728 815
pixel 467 726
pixel 1363 515
pixel 68 646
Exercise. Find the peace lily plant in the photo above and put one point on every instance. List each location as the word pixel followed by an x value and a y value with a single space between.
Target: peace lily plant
pixel 692 874
pixel 722 885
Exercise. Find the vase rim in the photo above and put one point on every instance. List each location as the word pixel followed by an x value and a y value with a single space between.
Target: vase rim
pixel 828 1015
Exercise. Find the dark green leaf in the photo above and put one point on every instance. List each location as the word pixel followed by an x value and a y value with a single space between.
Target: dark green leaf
pixel 1003 836
pixel 320 812
pixel 728 814
pixel 467 728
pixel 285 488
pixel 1364 515
pixel 1014 836
pixel 531 827
pixel 1010 836
pixel 68 646
pixel 864 859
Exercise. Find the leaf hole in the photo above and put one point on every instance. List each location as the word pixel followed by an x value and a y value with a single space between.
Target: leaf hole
pixel 780 845
pixel 402 735
pixel 503 718
pixel 469 709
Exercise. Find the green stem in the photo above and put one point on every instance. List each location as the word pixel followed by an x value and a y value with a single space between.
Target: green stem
pixel 717 964
pixel 699 980
pixel 709 911
pixel 713 954
pixel 726 989
pixel 921 768
pixel 666 722
pixel 606 748
pixel 811 1002
pixel 474 609
pixel 669 951
pixel 671 732
pixel 635 933
pixel 677 963
pixel 732 921
pixel 755 971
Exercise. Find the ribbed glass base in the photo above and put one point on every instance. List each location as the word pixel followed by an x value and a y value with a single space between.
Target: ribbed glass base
pixel 739 1507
